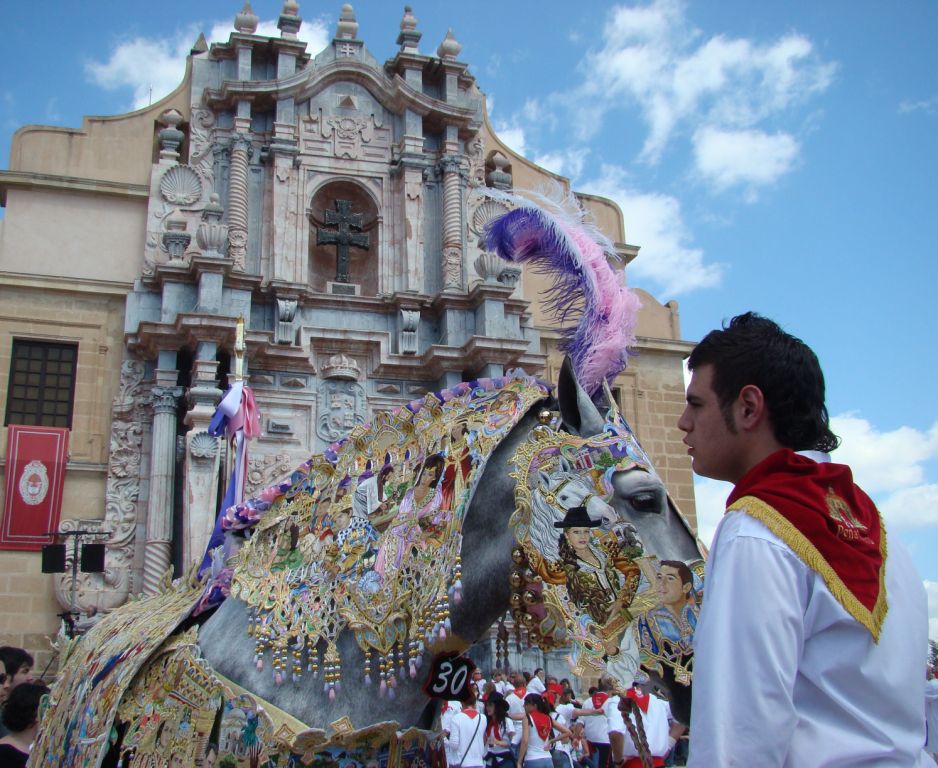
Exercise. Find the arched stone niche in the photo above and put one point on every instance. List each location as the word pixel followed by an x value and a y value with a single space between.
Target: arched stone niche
pixel 363 262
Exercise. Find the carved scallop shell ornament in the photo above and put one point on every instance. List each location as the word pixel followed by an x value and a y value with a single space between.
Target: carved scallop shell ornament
pixel 181 185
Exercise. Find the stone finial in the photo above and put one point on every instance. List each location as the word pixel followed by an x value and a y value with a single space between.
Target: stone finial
pixel 246 21
pixel 347 28
pixel 500 175
pixel 212 235
pixel 201 45
pixel 450 47
pixel 290 22
pixel 409 36
pixel 175 238
pixel 171 137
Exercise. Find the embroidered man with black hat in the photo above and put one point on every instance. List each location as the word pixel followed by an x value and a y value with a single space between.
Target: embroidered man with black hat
pixel 809 645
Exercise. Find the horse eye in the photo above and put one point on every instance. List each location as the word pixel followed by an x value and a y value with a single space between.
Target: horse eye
pixel 644 502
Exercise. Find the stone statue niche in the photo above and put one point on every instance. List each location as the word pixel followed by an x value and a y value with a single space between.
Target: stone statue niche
pixel 344 241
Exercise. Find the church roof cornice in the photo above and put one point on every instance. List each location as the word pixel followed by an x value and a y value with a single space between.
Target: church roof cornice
pixel 393 93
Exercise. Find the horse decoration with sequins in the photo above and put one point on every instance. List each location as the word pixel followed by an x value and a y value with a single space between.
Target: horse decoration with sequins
pixel 406 540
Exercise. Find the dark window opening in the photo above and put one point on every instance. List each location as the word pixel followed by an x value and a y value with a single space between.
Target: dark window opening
pixel 41 390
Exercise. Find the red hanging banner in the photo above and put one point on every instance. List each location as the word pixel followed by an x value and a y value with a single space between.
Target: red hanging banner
pixel 35 474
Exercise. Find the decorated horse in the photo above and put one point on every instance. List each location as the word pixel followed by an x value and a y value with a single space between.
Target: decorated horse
pixel 399 546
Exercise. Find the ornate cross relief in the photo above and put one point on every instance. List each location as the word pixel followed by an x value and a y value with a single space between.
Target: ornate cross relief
pixel 343 237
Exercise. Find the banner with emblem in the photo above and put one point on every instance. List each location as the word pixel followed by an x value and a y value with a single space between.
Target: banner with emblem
pixel 33 481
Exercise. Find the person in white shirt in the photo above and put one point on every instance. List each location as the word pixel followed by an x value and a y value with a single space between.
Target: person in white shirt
pixel 501 684
pixel 498 733
pixel 465 737
pixel 515 700
pixel 536 683
pixel 538 733
pixel 563 749
pixel 595 724
pixel 450 709
pixel 654 714
pixel 808 650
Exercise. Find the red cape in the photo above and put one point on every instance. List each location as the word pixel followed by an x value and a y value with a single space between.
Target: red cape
pixel 828 522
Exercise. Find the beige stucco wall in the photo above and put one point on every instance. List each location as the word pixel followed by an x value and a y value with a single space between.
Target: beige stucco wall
pixel 73 235
pixel 116 148
pixel 39 309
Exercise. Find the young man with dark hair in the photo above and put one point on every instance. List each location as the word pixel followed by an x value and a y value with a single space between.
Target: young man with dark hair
pixel 17 663
pixel 808 649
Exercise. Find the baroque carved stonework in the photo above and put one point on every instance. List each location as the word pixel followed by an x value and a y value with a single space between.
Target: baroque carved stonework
pixel 265 470
pixel 341 408
pixel 101 592
pixel 353 138
pixel 181 185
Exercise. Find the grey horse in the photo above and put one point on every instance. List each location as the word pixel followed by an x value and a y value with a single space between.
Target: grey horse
pixel 487 556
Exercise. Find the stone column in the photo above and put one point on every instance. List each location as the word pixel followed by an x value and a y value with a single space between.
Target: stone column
pixel 158 550
pixel 238 202
pixel 200 488
pixel 452 225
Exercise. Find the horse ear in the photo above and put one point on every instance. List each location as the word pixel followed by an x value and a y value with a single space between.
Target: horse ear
pixel 576 409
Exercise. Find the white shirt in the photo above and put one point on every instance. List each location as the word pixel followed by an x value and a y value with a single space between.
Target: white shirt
pixel 595 727
pixel 535 685
pixel 466 740
pixel 657 724
pixel 503 687
pixel 931 714
pixel 450 710
pixel 784 676
pixel 515 707
pixel 505 734
pixel 565 718
pixel 614 721
pixel 537 747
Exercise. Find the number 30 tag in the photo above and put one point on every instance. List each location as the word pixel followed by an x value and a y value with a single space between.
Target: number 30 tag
pixel 449 677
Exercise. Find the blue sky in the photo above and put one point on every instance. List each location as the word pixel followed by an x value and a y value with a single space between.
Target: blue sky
pixel 782 159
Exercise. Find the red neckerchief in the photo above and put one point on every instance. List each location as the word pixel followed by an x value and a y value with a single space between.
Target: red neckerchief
pixel 470 712
pixel 520 692
pixel 599 699
pixel 832 525
pixel 641 699
pixel 542 724
pixel 493 730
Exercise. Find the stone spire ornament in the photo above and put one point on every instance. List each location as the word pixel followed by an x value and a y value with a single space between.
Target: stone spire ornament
pixel 449 49
pixel 212 234
pixel 409 37
pixel 347 28
pixel 290 21
pixel 246 21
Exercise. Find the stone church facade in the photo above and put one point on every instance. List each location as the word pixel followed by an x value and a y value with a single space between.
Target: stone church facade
pixel 333 202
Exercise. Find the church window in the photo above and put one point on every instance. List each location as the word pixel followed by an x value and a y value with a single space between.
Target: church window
pixel 41 388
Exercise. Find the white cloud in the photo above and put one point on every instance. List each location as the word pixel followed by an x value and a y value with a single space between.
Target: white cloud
pixel 653 57
pixel 931 589
pixel 654 222
pixel 914 507
pixel 152 67
pixel 710 501
pixel 568 162
pixel 513 136
pixel 883 461
pixel 748 158
pixel 928 106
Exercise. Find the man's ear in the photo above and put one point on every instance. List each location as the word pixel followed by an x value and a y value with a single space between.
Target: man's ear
pixel 750 408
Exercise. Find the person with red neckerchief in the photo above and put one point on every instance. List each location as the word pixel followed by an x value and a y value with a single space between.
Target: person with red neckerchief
pixel 515 699
pixel 538 731
pixel 809 644
pixel 595 724
pixel 499 730
pixel 656 723
pixel 465 737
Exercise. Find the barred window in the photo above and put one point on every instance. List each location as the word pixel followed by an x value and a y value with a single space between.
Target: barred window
pixel 41 388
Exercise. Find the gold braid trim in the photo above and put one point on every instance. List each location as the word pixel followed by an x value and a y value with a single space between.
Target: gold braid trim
pixel 782 527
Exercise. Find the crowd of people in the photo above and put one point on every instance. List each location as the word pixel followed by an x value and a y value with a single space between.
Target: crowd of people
pixel 537 721
pixel 19 698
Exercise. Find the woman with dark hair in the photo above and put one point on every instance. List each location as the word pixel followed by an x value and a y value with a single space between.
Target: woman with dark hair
pixel 21 718
pixel 537 733
pixel 498 733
